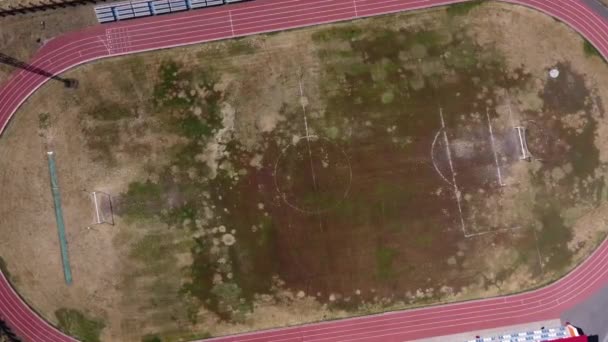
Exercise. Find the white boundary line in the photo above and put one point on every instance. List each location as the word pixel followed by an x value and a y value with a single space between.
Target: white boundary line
pixel 312 168
pixel 498 173
pixel 449 155
pixel 356 11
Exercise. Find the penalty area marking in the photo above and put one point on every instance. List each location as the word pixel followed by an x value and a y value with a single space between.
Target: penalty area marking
pixel 449 155
pixel 457 193
pixel 433 158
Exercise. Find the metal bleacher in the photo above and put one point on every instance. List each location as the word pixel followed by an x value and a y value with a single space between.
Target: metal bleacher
pixel 124 10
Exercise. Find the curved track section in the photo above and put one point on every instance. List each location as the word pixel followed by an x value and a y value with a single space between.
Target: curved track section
pixel 154 33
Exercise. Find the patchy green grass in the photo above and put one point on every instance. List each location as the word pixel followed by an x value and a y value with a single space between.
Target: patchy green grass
pixel 463 8
pixel 347 33
pixel 384 262
pixel 191 98
pixel 554 237
pixel 151 246
pixel 193 127
pixel 75 323
pixel 590 50
pixel 4 269
pixel 241 47
pixel 44 121
pixel 380 91
pixel 102 140
pixel 584 154
pixel 110 111
pixel 151 338
pixel 169 76
pixel 142 200
pixel 137 66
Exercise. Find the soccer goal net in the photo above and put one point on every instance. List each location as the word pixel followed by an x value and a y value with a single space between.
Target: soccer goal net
pixel 102 208
pixel 523 143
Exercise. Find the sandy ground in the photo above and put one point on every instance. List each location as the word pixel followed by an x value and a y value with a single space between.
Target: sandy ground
pixel 100 256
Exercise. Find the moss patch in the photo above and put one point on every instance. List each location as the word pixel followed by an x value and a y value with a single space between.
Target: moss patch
pixel 75 323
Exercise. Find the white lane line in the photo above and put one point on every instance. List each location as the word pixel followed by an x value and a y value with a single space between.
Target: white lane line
pixel 104 43
pixel 449 155
pixel 231 23
pixel 356 11
pixel 498 172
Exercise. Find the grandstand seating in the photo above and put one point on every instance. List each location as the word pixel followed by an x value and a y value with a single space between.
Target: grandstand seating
pixel 124 10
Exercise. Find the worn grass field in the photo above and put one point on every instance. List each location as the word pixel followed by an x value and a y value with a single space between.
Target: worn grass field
pixel 314 174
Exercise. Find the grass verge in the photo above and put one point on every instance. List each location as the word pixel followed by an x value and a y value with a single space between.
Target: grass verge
pixel 463 8
pixel 590 50
pixel 75 323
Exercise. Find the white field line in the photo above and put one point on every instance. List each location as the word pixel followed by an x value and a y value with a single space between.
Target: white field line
pixel 312 168
pixel 231 24
pixel 449 154
pixel 498 173
pixel 510 111
pixel 104 42
pixel 96 207
pixel 433 158
pixel 494 231
pixel 540 259
pixel 524 148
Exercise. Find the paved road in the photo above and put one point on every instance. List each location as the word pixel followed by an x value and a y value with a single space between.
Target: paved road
pixel 153 33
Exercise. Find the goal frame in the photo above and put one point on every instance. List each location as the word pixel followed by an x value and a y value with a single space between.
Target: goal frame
pixel 99 217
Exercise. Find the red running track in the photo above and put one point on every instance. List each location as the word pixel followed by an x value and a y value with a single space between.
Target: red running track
pixel 72 49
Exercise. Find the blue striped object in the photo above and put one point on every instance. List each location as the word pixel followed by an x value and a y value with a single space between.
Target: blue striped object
pixel 123 10
pixel 67 272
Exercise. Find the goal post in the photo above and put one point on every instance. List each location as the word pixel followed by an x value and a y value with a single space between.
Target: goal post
pixel 102 208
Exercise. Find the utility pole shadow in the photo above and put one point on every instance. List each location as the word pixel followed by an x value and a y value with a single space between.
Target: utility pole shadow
pixel 8 60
